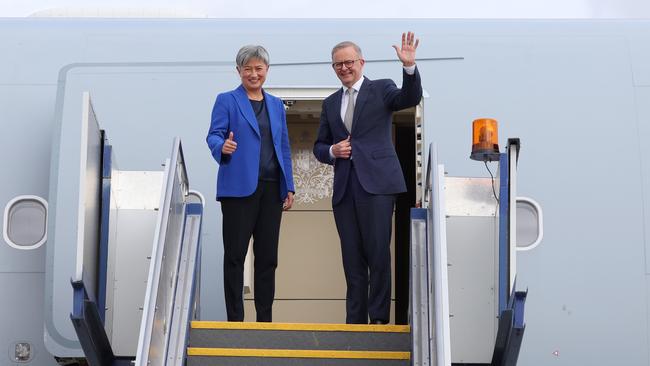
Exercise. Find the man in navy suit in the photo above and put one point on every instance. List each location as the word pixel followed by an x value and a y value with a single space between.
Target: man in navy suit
pixel 355 136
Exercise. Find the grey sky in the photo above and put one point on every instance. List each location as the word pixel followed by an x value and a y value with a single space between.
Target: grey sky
pixel 351 8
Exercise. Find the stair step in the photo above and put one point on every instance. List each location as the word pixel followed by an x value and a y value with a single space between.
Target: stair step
pixel 316 337
pixel 277 357
pixel 324 327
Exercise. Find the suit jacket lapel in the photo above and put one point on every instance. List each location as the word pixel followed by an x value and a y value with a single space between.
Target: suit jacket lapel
pixel 246 109
pixel 336 107
pixel 274 120
pixel 364 92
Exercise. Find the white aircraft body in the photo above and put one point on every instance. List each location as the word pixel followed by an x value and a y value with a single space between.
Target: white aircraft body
pixel 576 94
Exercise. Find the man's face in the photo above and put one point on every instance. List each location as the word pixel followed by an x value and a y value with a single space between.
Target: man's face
pixel 347 65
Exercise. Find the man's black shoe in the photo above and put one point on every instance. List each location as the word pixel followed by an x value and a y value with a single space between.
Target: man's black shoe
pixel 378 322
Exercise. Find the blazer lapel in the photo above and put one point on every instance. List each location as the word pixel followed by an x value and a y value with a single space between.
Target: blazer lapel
pixel 364 92
pixel 336 108
pixel 274 117
pixel 246 109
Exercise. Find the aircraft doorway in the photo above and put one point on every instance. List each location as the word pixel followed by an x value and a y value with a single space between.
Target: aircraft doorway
pixel 310 284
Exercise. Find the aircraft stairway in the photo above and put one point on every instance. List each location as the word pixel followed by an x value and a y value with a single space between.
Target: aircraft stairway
pixel 231 343
pixel 170 302
pixel 170 337
pixel 169 332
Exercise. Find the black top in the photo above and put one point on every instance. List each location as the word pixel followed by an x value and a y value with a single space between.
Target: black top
pixel 269 167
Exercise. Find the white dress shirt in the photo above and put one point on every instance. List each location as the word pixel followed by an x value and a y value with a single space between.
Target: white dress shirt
pixel 346 98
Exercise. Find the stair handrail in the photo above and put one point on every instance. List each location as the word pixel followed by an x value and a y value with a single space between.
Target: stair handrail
pixel 153 340
pixel 439 312
pixel 429 306
pixel 419 282
pixel 185 307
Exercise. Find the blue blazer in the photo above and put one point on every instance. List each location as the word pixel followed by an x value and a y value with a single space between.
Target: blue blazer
pixel 373 153
pixel 238 172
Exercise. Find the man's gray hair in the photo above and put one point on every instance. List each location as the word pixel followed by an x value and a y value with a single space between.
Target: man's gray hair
pixel 250 52
pixel 345 44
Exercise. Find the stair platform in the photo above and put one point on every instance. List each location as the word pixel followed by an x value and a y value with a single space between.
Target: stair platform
pixel 239 343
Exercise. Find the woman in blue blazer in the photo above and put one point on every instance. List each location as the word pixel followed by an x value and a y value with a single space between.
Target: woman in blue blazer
pixel 248 138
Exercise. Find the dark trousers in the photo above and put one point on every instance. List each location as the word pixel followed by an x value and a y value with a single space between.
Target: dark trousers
pixel 364 223
pixel 258 215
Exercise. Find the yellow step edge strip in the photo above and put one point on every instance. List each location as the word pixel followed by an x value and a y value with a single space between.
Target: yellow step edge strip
pixel 302 326
pixel 290 353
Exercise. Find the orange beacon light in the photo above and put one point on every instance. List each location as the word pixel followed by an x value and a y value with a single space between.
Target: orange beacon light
pixel 485 140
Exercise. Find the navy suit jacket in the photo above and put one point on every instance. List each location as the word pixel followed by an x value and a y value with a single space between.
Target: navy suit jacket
pixel 375 159
pixel 238 172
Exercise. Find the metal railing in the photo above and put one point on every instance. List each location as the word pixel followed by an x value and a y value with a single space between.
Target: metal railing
pixel 429 305
pixel 169 300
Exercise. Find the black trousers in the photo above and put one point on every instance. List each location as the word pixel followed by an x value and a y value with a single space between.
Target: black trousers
pixel 258 215
pixel 364 224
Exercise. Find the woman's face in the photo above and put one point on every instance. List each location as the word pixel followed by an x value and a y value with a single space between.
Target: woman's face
pixel 253 74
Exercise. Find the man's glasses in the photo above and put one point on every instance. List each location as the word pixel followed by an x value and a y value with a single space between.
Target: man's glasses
pixel 348 64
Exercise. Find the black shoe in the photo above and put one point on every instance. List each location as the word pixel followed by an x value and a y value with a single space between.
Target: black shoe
pixel 378 322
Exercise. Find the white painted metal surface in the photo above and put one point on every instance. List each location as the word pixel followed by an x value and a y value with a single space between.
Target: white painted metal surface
pixel 149 307
pixel 500 57
pixel 184 303
pixel 89 187
pixel 425 287
pixel 419 295
pixel 472 237
pixel 301 93
pixel 136 196
pixel 440 311
pixel 74 219
pixel 137 190
pixel 473 261
pixel 466 196
pixel 154 340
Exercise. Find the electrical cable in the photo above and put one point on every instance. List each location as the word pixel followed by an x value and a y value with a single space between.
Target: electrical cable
pixel 494 192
